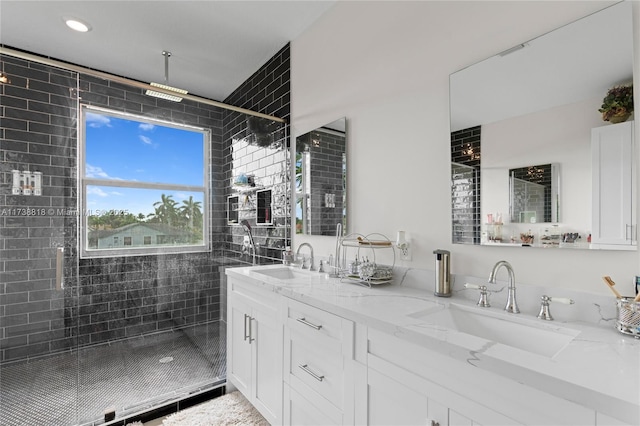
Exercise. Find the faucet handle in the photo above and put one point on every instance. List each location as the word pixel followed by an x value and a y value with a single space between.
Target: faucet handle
pixel 545 313
pixel 563 300
pixel 483 301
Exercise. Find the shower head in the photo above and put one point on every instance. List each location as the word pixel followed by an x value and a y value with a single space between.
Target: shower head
pixel 245 225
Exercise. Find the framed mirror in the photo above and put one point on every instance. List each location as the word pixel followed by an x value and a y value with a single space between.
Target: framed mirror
pixel 534 104
pixel 321 180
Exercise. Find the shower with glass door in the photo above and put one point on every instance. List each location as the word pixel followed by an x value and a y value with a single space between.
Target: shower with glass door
pixel 111 275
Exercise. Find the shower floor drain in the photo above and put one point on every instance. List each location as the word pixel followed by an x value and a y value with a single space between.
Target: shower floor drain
pixel 166 359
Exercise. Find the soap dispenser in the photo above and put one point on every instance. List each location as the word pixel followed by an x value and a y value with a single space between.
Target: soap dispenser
pixel 443 273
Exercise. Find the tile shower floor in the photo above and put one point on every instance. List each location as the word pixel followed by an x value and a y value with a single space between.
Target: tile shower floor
pixel 130 375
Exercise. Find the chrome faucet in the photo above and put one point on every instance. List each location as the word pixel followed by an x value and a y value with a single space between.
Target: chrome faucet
pixel 311 267
pixel 512 305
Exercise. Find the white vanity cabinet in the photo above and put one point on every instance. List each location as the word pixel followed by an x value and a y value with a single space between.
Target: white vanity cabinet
pixel 408 384
pixel 254 346
pixel 317 363
pixel 613 210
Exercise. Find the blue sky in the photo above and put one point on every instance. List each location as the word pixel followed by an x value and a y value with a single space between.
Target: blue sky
pixel 123 149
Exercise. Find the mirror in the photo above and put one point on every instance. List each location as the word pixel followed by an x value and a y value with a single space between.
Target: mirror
pixel 534 194
pixel 534 104
pixel 321 179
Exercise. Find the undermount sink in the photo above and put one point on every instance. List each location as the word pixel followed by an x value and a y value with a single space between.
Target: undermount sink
pixel 283 273
pixel 541 338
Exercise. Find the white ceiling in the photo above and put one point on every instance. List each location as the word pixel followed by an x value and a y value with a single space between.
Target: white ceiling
pixel 574 63
pixel 215 45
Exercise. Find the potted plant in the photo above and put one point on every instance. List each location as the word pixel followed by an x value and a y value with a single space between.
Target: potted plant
pixel 617 106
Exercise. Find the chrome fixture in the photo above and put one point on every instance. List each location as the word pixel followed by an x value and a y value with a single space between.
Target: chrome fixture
pixel 334 264
pixel 483 302
pixel 512 305
pixel 164 95
pixel 545 313
pixel 247 229
pixel 311 267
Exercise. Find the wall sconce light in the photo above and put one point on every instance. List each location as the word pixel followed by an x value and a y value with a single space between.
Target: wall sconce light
pixel 404 245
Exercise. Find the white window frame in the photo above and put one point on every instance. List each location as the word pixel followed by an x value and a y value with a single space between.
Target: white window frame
pixel 84 182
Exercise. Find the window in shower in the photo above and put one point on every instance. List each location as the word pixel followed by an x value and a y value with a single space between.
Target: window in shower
pixel 144 186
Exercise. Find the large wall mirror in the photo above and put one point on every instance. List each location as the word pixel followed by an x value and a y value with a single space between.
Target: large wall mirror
pixel 531 109
pixel 321 179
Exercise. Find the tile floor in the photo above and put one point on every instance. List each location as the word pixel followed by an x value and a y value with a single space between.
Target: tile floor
pixel 130 375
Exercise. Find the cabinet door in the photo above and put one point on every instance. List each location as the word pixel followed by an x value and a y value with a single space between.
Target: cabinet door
pixel 255 347
pixel 612 174
pixel 393 403
pixel 300 411
pixel 239 356
pixel 267 374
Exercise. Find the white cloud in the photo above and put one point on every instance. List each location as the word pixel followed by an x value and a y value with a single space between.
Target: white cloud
pixel 95 172
pixel 96 191
pixel 97 120
pixel 145 139
pixel 146 127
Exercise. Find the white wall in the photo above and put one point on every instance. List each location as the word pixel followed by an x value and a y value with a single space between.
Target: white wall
pixel 556 135
pixel 391 83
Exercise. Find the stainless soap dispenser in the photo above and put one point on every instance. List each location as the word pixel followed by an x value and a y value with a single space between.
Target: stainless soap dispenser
pixel 443 273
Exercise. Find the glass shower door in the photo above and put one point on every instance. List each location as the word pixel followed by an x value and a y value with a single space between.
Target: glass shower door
pixel 38 267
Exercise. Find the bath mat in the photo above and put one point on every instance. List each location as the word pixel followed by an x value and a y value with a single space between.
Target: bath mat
pixel 226 410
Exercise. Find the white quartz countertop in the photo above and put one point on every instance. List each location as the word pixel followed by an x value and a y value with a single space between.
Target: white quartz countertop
pixel 599 368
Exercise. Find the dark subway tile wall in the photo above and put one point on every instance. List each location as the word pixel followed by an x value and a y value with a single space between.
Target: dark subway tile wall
pixel 266 91
pixel 465 185
pixel 37 133
pixel 103 299
pixel 109 298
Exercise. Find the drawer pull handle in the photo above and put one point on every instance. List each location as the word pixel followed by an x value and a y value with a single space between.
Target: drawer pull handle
pixel 306 369
pixel 305 322
pixel 248 332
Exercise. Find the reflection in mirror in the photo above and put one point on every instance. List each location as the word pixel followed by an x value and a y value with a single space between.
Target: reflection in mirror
pixel 535 104
pixel 321 166
pixel 534 194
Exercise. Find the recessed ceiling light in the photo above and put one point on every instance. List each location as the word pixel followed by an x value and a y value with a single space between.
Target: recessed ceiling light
pixel 77 25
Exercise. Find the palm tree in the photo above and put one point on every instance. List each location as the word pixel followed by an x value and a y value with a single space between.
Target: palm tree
pixel 165 209
pixel 191 211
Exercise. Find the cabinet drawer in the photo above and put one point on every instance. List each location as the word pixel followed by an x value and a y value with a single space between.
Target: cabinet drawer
pixel 319 346
pixel 314 322
pixel 317 363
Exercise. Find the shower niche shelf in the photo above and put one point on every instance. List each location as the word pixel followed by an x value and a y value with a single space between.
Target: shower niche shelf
pixel 232 209
pixel 264 214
